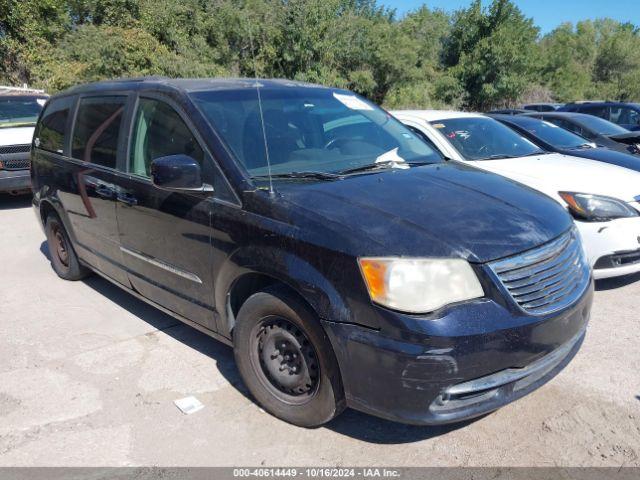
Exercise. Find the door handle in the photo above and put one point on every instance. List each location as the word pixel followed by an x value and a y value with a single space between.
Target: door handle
pixel 104 191
pixel 127 199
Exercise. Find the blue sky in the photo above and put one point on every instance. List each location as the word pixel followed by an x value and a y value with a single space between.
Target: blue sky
pixel 547 14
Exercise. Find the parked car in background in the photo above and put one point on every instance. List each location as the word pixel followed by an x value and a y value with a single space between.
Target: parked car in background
pixel 346 261
pixel 553 138
pixel 543 107
pixel 19 110
pixel 603 199
pixel 508 111
pixel 597 130
pixel 625 114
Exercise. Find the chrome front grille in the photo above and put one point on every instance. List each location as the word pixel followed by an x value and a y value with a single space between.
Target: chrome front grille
pixel 547 278
pixel 4 149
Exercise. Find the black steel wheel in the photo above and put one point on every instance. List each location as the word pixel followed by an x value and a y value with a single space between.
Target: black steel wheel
pixel 286 359
pixel 59 246
pixel 61 252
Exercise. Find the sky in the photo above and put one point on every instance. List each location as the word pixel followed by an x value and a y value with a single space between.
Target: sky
pixel 546 14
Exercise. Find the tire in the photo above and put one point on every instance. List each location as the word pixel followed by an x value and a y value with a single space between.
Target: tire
pixel 61 252
pixel 286 359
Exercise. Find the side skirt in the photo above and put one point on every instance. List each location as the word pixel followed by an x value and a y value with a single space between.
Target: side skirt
pixel 177 316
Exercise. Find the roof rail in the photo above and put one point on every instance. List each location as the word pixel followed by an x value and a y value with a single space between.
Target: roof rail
pixel 9 90
pixel 135 79
pixel 581 102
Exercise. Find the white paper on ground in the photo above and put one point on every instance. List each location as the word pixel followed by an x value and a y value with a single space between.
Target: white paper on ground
pixel 188 405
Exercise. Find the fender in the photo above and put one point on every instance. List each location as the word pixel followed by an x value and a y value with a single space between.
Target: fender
pixel 284 267
pixel 43 198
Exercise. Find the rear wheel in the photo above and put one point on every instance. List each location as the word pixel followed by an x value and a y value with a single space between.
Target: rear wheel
pixel 63 257
pixel 286 359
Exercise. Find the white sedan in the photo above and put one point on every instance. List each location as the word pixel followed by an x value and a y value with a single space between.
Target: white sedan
pixel 604 199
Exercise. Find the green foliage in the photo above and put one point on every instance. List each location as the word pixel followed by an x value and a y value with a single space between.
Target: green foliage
pixel 596 59
pixel 493 53
pixel 476 58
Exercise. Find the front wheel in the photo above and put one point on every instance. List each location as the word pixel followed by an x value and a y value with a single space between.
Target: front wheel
pixel 286 359
pixel 63 257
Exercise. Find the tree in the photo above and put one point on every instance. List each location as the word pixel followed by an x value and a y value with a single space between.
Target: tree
pixel 477 58
pixel 493 52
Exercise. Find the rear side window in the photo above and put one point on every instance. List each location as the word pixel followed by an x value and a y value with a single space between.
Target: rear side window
pixel 595 110
pixel 572 127
pixel 625 116
pixel 159 131
pixel 95 136
pixel 51 129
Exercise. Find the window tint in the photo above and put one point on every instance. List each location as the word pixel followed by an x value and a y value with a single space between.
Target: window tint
pixel 572 127
pixel 51 129
pixel 601 126
pixel 550 133
pixel 95 136
pixel 159 131
pixel 625 116
pixel 597 111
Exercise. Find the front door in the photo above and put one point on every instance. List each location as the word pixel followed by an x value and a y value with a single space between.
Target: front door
pixel 165 235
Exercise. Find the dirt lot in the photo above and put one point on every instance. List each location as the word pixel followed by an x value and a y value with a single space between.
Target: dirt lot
pixel 88 376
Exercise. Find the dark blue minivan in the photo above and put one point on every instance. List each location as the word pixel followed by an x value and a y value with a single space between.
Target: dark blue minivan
pixel 345 260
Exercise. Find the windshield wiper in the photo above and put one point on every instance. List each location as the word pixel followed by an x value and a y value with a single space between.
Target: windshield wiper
pixel 370 167
pixel 310 174
pixel 497 157
pixel 540 152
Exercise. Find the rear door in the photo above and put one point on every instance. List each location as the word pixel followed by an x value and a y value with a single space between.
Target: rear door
pixel 96 150
pixel 165 235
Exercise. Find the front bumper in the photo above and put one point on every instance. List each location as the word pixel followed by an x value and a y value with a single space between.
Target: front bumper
pixel 15 180
pixel 613 247
pixel 477 357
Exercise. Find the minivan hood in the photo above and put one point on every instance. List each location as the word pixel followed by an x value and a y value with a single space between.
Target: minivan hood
pixel 555 172
pixel 16 135
pixel 443 210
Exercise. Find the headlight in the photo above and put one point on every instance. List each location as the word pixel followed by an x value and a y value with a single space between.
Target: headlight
pixel 594 208
pixel 419 285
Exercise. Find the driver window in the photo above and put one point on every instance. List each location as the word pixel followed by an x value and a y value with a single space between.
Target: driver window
pixel 159 131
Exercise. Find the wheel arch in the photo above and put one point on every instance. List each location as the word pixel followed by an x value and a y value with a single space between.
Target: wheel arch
pixel 251 270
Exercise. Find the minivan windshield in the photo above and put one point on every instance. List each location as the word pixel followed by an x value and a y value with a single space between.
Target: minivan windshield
pixel 483 138
pixel 20 111
pixel 551 133
pixel 309 130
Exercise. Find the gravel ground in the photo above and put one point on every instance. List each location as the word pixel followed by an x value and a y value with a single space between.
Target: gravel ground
pixel 88 376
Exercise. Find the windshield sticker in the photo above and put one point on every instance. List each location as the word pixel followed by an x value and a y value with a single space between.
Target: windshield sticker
pixel 352 102
pixel 438 125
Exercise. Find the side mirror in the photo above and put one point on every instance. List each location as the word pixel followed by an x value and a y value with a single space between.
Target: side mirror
pixel 178 172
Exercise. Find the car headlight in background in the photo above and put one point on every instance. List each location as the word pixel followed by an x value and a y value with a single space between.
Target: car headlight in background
pixel 419 285
pixel 595 208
